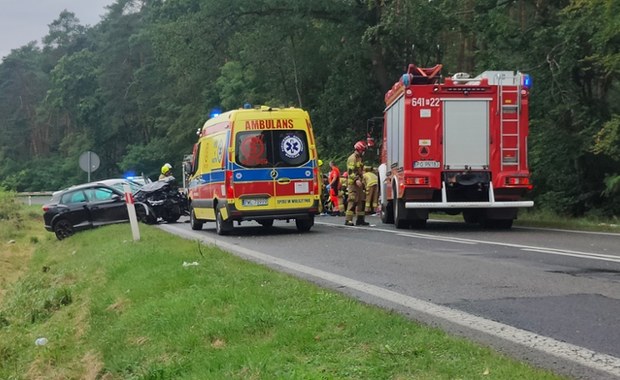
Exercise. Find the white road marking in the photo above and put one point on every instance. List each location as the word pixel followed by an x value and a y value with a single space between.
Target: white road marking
pixel 440 238
pixel 528 248
pixel 582 356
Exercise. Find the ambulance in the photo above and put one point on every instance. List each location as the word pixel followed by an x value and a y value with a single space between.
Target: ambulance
pixel 255 164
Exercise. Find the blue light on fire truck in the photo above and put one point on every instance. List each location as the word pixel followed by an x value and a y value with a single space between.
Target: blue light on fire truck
pixel 527 81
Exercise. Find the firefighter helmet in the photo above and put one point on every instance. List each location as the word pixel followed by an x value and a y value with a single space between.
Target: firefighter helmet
pixel 360 146
pixel 166 168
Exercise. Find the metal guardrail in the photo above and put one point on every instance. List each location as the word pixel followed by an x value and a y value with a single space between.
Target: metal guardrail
pixel 35 194
pixel 26 197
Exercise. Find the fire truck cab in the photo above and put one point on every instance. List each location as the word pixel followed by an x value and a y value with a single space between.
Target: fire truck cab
pixel 457 145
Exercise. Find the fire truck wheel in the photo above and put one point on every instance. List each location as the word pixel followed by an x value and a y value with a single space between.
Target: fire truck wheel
pixel 497 224
pixel 400 214
pixel 418 223
pixel 471 216
pixel 387 212
pixel 222 227
pixel 195 223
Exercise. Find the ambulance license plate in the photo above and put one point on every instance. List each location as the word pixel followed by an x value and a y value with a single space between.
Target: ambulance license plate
pixel 253 202
pixel 426 164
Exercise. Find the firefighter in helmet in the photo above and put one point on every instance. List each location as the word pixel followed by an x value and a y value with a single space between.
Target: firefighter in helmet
pixel 355 187
pixel 165 171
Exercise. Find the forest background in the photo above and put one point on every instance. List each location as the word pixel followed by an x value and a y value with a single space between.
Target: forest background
pixel 135 87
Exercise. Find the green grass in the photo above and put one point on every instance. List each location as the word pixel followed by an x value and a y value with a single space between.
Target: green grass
pixel 546 219
pixel 116 309
pixel 112 308
pixel 538 218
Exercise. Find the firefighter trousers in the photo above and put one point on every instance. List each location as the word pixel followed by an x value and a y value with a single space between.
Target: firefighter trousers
pixel 372 197
pixel 355 203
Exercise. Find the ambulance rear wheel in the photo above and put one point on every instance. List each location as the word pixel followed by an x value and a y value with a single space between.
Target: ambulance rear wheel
pixel 400 214
pixel 222 227
pixel 266 222
pixel 195 223
pixel 304 225
pixel 387 212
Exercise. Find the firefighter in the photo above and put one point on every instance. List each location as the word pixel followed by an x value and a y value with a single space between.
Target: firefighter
pixel 165 171
pixel 355 186
pixel 371 186
pixel 342 194
pixel 334 186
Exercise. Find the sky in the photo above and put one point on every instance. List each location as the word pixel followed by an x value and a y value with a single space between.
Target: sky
pixel 22 21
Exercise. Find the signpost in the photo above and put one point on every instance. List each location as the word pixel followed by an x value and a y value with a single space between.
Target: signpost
pixel 89 162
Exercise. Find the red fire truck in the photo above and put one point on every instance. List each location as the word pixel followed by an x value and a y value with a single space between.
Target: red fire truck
pixel 457 145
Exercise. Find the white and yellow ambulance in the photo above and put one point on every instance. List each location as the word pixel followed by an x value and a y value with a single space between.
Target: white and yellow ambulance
pixel 254 164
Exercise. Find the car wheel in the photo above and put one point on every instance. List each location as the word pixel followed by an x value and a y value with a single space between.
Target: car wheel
pixel 195 223
pixel 63 229
pixel 222 227
pixel 143 216
pixel 172 218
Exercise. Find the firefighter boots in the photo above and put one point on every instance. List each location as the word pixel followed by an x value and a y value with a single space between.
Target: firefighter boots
pixel 361 222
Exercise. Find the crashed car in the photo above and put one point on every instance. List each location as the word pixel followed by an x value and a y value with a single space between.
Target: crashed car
pixel 87 206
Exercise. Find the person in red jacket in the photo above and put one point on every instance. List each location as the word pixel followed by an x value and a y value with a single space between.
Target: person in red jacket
pixel 334 186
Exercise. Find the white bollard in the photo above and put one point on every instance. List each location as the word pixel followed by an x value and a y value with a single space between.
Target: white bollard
pixel 131 210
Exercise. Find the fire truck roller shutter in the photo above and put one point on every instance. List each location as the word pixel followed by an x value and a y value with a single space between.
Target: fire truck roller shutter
pixel 466 133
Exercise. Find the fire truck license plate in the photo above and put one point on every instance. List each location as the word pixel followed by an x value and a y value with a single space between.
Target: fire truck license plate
pixel 426 164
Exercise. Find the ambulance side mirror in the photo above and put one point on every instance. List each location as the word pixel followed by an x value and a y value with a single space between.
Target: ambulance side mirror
pixel 187 168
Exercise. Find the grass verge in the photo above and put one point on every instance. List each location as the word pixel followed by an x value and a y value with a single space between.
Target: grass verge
pixel 111 308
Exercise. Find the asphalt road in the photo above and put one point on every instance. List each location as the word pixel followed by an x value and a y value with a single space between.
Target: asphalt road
pixel 549 297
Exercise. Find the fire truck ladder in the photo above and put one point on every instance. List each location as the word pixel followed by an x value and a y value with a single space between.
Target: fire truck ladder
pixel 509 108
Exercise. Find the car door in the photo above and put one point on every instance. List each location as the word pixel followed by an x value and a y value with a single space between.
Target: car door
pixel 106 206
pixel 73 206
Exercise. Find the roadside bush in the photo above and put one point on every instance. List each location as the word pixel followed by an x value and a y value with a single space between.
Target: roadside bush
pixel 9 206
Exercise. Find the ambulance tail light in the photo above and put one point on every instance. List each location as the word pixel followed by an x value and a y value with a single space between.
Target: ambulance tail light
pixel 228 183
pixel 416 181
pixel 315 181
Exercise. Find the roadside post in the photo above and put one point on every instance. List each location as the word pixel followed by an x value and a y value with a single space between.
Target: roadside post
pixel 131 210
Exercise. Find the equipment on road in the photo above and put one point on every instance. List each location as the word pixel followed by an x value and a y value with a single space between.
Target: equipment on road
pixel 457 145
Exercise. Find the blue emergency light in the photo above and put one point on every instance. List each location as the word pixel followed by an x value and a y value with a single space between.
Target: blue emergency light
pixel 215 112
pixel 527 81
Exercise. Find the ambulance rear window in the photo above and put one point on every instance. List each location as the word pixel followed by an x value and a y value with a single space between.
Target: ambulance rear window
pixel 258 149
